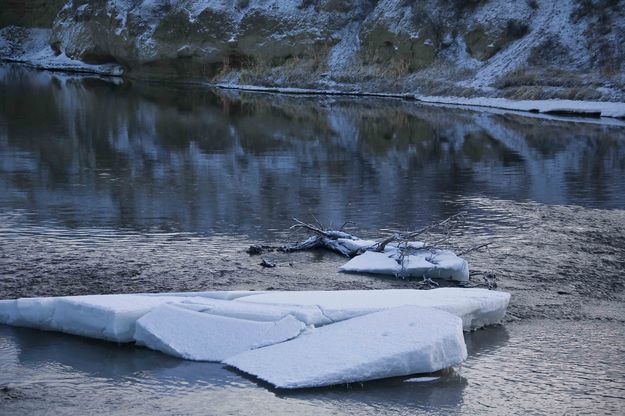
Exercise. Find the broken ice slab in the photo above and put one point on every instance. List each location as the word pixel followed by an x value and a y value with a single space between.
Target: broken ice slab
pixel 113 317
pixel 308 314
pixel 201 336
pixel 439 264
pixel 396 342
pixel 108 317
pixel 476 307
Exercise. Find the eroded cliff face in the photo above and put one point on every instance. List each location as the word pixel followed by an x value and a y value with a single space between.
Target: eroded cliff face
pixel 521 49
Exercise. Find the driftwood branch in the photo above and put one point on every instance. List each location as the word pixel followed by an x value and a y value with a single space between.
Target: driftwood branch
pixel 474 248
pixel 348 245
pixel 448 224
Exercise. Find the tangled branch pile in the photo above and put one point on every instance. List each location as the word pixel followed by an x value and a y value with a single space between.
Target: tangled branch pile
pixel 397 254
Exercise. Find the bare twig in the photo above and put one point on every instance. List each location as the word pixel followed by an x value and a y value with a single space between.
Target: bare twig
pixel 335 240
pixel 474 248
pixel 345 224
pixel 317 221
pixel 448 224
pixel 301 224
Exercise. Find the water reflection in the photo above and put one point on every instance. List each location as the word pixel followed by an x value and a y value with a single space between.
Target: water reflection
pixel 60 360
pixel 525 367
pixel 86 152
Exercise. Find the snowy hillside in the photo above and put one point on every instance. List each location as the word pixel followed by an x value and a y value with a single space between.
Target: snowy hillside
pixel 527 49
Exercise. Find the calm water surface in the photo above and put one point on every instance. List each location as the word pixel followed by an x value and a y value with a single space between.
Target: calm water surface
pixel 115 187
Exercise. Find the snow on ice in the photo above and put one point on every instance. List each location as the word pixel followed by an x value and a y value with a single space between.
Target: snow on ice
pixel 396 342
pixel 476 307
pixel 350 335
pixel 440 264
pixel 201 336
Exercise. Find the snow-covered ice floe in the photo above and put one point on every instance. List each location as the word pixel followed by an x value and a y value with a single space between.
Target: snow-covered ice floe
pixel 415 261
pixel 30 46
pixel 582 108
pixel 396 342
pixel 440 264
pixel 107 317
pixel 390 332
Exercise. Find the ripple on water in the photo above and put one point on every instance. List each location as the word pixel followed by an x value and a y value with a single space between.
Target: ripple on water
pixel 524 367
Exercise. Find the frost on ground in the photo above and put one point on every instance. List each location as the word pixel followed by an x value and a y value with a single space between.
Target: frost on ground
pixel 399 332
pixel 30 46
pixel 396 342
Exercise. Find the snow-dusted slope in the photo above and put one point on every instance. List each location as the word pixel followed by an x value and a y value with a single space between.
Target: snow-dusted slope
pixel 523 50
pixel 32 47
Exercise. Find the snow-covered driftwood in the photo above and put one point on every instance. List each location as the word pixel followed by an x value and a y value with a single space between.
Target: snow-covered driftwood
pixel 334 240
pixel 399 254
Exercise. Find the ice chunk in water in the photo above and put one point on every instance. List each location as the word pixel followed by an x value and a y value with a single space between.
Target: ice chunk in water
pixel 476 307
pixel 201 336
pixel 9 314
pixel 440 264
pixel 395 342
pixel 108 317
pixel 37 312
pixel 113 317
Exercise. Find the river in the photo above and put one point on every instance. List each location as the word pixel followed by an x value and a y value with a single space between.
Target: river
pixel 116 187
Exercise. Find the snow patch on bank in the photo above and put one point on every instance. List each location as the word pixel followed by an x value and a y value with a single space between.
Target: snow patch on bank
pixel 555 107
pixel 30 46
pixel 558 107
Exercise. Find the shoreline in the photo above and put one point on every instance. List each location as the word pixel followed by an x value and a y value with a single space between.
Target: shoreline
pixel 564 110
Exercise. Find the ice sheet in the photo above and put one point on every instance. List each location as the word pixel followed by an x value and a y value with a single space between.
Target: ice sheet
pixel 108 317
pixel 201 336
pixel 396 342
pixel 113 317
pixel 476 307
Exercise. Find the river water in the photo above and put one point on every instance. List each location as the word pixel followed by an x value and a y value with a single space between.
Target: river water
pixel 117 187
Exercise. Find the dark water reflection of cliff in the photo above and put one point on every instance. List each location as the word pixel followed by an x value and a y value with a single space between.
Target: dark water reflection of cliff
pixel 143 157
